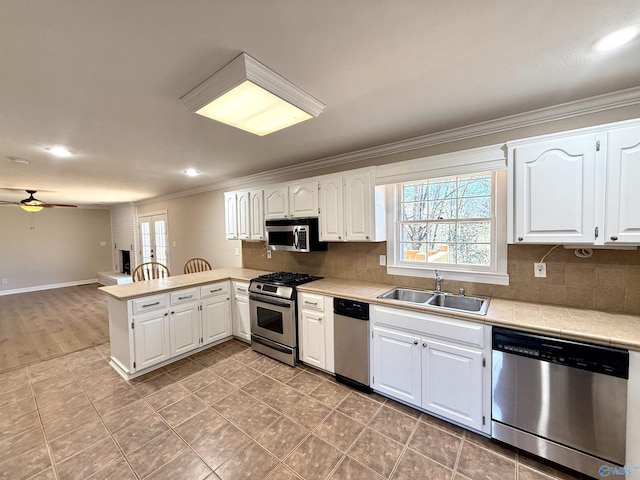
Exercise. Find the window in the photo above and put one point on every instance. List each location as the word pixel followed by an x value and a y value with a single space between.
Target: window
pixel 452 224
pixel 447 220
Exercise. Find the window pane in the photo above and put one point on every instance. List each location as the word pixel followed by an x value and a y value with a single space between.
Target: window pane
pixel 414 232
pixel 439 190
pixel 473 254
pixel 442 209
pixel 474 186
pixel 439 253
pixel 415 192
pixel 413 252
pixel 474 232
pixel 474 207
pixel 414 211
pixel 442 232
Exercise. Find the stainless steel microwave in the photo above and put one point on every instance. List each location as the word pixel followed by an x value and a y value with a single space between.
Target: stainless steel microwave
pixel 294 235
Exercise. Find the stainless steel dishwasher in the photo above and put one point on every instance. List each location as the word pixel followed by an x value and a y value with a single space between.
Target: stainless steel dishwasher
pixel 351 343
pixel 563 400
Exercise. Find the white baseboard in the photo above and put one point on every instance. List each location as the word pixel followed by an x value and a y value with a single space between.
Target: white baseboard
pixel 37 288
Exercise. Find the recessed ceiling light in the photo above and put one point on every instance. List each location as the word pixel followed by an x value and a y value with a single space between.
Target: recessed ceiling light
pixel 19 161
pixel 60 151
pixel 192 172
pixel 616 39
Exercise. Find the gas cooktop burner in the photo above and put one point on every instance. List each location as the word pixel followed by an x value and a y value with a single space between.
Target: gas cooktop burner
pixel 286 278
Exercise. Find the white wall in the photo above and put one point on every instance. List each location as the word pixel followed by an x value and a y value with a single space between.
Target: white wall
pixel 53 246
pixel 196 225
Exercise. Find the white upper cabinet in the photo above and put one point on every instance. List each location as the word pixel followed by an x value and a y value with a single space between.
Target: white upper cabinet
pixel 576 188
pixel 256 207
pixel 623 192
pixel 231 216
pixel 276 202
pixel 303 199
pixel 244 216
pixel 294 201
pixel 555 190
pixel 351 208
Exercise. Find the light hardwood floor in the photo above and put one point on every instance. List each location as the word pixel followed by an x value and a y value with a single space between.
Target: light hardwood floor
pixel 39 325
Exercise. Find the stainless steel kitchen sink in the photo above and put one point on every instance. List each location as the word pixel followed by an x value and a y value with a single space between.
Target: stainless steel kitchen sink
pixel 408 295
pixel 448 301
pixel 461 303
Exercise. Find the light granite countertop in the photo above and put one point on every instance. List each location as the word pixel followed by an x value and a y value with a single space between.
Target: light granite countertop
pixel 128 291
pixel 604 328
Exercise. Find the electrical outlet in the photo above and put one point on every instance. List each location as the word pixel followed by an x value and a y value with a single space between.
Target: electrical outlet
pixel 383 260
pixel 268 253
pixel 4 281
pixel 540 270
pixel 236 251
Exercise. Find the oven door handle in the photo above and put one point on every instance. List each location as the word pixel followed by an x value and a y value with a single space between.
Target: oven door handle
pixel 270 301
pixel 296 235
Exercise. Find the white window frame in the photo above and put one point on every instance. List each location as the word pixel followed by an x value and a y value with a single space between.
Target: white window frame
pixel 488 159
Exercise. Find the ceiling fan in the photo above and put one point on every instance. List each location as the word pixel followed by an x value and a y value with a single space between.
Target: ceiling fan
pixel 32 204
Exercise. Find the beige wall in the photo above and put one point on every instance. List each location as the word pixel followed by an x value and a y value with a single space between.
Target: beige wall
pixel 53 246
pixel 608 281
pixel 196 225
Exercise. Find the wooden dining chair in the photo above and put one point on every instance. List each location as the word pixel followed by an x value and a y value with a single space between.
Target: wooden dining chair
pixel 150 271
pixel 196 264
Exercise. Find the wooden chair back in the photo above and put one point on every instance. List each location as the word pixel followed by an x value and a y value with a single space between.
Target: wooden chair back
pixel 197 264
pixel 149 271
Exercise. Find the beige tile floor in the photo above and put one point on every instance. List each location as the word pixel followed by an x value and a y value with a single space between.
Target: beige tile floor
pixel 228 413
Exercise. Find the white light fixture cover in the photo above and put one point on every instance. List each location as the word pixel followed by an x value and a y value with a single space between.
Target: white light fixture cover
pixel 617 39
pixel 248 95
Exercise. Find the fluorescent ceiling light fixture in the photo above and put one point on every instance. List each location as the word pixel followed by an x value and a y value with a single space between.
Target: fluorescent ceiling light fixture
pixel 616 39
pixel 248 95
pixel 192 172
pixel 60 151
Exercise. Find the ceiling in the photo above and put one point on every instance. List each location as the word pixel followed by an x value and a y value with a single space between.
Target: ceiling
pixel 105 80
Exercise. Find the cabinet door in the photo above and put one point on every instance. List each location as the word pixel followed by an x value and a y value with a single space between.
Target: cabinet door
pixel 244 216
pixel 151 337
pixel 231 216
pixel 257 214
pixel 396 365
pixel 358 206
pixel 241 313
pixel 312 351
pixel 276 202
pixel 303 199
pixel 331 209
pixel 185 328
pixel 216 319
pixel 622 212
pixel 452 382
pixel 554 189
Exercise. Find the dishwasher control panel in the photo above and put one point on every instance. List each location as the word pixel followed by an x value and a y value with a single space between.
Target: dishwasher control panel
pixel 585 356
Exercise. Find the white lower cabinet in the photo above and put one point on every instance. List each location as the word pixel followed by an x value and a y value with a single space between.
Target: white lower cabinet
pixel 241 314
pixel 184 328
pixel 396 369
pixel 150 331
pixel 216 312
pixel 315 330
pixel 435 363
pixel 151 337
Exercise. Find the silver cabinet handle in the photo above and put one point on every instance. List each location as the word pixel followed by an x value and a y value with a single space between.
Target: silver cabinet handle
pixel 185 298
pixel 215 290
pixel 424 344
pixel 244 290
pixel 151 304
pixel 415 342
pixel 310 303
pixel 614 238
pixel 520 239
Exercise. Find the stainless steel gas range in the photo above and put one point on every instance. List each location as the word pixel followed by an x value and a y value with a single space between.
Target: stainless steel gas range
pixel 274 325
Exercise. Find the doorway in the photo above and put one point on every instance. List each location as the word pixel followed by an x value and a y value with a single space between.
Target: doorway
pixel 154 238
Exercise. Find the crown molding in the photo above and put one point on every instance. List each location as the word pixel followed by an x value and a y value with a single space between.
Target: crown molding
pixel 563 111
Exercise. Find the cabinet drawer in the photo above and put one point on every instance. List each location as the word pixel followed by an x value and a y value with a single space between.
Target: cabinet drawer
pixel 185 296
pixel 241 289
pixel 311 301
pixel 213 289
pixel 147 304
pixel 462 331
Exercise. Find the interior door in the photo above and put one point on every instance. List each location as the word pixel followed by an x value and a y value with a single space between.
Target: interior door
pixel 154 238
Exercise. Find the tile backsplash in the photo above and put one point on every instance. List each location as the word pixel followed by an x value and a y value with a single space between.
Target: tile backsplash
pixel 608 281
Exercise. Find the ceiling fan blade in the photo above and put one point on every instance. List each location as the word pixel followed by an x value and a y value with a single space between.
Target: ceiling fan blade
pixel 49 205
pixel 6 202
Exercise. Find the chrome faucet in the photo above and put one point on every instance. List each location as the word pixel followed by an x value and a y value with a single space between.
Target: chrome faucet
pixel 439 280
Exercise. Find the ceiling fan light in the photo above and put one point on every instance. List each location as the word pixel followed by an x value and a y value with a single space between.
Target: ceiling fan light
pixel 60 151
pixel 616 39
pixel 248 95
pixel 31 208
